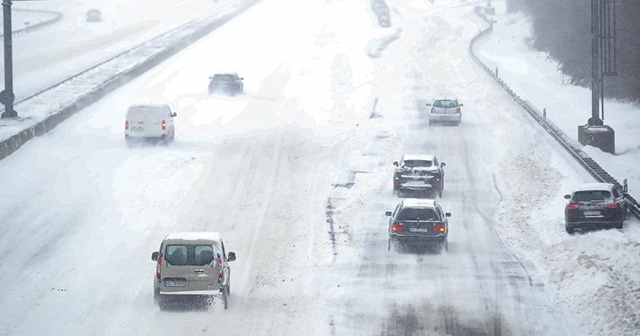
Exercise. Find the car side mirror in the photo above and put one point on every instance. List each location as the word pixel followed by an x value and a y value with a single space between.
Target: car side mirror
pixel 443 164
pixel 447 214
pixel 567 196
pixel 154 256
pixel 428 104
pixel 395 163
pixel 387 213
pixel 460 104
pixel 241 78
pixel 174 114
pixel 231 256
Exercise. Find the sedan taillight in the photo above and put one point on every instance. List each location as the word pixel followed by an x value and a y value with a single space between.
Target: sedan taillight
pixel 573 206
pixel 395 227
pixel 440 228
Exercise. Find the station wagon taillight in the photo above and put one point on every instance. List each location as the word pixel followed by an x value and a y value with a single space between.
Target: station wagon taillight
pixel 441 228
pixel 126 125
pixel 395 227
pixel 573 206
pixel 164 125
pixel 611 205
pixel 159 267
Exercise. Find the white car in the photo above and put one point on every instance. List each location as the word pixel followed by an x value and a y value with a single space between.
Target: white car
pixel 445 111
pixel 149 122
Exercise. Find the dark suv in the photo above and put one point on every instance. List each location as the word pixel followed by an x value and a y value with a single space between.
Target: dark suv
pixel 418 175
pixel 418 222
pixel 229 83
pixel 595 205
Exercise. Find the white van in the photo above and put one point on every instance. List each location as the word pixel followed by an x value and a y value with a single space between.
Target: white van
pixel 149 122
pixel 192 264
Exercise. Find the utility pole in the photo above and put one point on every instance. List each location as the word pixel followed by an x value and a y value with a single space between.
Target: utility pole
pixel 7 97
pixel 603 63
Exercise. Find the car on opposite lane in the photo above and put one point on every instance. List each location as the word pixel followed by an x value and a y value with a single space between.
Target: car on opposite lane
pixel 226 83
pixel 595 205
pixel 445 111
pixel 418 175
pixel 418 223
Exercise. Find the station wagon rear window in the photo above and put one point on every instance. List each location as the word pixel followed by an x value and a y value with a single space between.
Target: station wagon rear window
pixel 412 214
pixel 189 255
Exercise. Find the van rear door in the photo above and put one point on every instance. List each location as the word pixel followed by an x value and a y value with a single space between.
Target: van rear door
pixel 145 121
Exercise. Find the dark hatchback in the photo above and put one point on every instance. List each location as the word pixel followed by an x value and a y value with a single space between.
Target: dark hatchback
pixel 230 84
pixel 595 205
pixel 418 223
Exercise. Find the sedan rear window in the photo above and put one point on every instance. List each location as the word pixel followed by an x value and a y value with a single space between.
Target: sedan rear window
pixel 445 103
pixel 189 255
pixel 414 214
pixel 417 163
pixel 591 195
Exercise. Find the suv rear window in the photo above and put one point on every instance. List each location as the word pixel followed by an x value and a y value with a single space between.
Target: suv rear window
pixel 591 195
pixel 411 214
pixel 224 78
pixel 189 255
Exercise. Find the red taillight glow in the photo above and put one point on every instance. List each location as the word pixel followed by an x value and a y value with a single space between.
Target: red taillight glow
pixel 220 274
pixel 573 206
pixel 396 181
pixel 164 125
pixel 126 124
pixel 158 268
pixel 439 228
pixel 395 227
pixel 611 205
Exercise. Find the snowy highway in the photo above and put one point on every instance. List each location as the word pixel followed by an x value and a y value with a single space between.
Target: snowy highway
pixel 84 212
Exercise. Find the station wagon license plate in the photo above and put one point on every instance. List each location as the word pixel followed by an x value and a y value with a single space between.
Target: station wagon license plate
pixel 591 213
pixel 419 230
pixel 175 283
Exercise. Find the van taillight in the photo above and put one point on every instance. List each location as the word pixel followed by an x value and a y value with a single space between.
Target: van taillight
pixel 159 267
pixel 220 273
pixel 164 125
pixel 126 125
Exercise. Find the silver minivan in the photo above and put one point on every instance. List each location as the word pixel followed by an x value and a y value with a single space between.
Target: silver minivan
pixel 192 264
pixel 149 122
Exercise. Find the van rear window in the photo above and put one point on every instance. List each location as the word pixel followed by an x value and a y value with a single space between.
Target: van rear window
pixel 140 112
pixel 189 255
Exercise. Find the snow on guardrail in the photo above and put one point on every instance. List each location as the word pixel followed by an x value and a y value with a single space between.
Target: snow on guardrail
pixel 588 163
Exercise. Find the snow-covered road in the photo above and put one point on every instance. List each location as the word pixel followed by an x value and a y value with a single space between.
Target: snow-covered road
pixel 82 212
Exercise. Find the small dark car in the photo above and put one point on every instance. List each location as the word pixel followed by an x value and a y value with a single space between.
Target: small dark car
pixel 94 15
pixel 418 175
pixel 420 223
pixel 595 205
pixel 228 83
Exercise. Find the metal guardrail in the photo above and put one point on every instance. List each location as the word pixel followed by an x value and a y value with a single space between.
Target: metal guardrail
pixel 55 17
pixel 56 103
pixel 574 149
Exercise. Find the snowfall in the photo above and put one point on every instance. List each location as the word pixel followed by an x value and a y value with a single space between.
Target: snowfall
pixel 295 174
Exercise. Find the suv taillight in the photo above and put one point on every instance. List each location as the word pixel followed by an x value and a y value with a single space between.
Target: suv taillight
pixel 164 125
pixel 158 268
pixel 126 125
pixel 220 273
pixel 433 110
pixel 573 206
pixel 611 205
pixel 458 109
pixel 396 181
pixel 395 227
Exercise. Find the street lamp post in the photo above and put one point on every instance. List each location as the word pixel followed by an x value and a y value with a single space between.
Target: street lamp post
pixel 7 97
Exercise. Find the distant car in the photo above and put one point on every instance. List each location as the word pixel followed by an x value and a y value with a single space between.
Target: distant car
pixel 192 264
pixel 595 205
pixel 418 175
pixel 445 111
pixel 149 123
pixel 227 83
pixel 418 223
pixel 94 15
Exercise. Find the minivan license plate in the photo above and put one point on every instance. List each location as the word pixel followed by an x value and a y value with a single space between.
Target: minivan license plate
pixel 174 283
pixel 591 213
